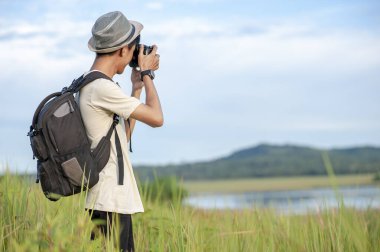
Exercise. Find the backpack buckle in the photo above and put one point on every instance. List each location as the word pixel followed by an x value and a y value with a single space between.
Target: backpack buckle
pixel 116 119
pixel 33 132
pixel 64 90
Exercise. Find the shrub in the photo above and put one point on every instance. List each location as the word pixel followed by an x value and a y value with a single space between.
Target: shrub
pixel 376 177
pixel 164 189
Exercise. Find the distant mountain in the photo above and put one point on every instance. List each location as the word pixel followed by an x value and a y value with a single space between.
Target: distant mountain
pixel 272 160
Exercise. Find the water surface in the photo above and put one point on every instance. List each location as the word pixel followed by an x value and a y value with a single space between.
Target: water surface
pixel 295 201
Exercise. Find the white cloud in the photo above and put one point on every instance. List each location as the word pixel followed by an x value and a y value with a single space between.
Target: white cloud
pixel 231 81
pixel 276 49
pixel 218 47
pixel 54 48
pixel 265 79
pixel 154 5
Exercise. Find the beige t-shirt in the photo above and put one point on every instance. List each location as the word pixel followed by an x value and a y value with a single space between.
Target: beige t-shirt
pixel 98 101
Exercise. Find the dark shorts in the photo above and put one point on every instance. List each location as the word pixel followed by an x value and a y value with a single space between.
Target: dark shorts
pixel 125 220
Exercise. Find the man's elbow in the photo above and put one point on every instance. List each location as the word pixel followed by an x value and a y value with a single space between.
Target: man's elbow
pixel 157 122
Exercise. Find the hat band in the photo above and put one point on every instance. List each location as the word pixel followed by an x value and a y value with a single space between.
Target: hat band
pixel 123 39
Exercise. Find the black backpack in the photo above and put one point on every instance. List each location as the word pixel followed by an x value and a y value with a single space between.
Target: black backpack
pixel 65 163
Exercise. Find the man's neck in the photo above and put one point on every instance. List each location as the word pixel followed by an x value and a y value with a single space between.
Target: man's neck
pixel 104 65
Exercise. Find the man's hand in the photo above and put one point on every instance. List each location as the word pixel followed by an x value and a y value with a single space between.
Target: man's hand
pixel 137 83
pixel 150 61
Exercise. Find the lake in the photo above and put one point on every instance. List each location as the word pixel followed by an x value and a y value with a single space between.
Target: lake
pixel 295 201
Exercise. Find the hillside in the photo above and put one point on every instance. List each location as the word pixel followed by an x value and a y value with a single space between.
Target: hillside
pixel 272 160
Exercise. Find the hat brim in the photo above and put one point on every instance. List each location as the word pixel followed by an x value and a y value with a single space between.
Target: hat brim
pixel 138 28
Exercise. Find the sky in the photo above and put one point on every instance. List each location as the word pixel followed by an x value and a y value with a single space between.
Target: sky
pixel 233 74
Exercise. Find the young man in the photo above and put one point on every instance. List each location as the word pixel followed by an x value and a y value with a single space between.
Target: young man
pixel 114 39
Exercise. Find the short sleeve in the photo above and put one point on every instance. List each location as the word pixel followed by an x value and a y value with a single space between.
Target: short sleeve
pixel 109 96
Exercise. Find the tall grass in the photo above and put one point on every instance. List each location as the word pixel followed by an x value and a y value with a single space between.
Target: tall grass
pixel 29 222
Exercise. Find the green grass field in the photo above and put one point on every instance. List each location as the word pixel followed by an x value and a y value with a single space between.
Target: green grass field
pixel 29 222
pixel 274 184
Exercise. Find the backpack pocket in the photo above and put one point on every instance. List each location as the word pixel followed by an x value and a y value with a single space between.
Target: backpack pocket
pixel 38 147
pixel 66 130
pixel 102 153
pixel 49 182
pixel 74 172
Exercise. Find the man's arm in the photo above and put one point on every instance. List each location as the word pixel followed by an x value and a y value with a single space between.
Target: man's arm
pixel 136 92
pixel 150 112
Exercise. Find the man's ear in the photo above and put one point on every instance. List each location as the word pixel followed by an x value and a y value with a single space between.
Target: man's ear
pixel 123 52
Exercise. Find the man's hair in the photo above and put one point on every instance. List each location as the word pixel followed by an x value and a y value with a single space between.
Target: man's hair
pixel 136 42
pixel 106 54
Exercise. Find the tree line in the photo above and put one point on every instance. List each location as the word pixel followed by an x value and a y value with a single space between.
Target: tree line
pixel 271 160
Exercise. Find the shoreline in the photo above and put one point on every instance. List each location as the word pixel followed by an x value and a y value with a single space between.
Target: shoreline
pixel 276 183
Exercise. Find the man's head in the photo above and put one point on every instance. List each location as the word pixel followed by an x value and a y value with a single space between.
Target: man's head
pixel 113 35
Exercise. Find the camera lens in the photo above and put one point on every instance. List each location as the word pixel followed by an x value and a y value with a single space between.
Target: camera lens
pixel 147 50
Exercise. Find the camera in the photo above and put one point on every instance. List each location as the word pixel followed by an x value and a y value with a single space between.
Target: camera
pixel 147 50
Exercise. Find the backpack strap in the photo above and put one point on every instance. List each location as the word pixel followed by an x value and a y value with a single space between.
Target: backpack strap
pixel 130 135
pixel 82 82
pixel 119 152
pixel 86 79
pixel 39 108
pixel 120 161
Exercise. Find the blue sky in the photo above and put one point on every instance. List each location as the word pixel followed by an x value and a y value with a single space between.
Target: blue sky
pixel 233 74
